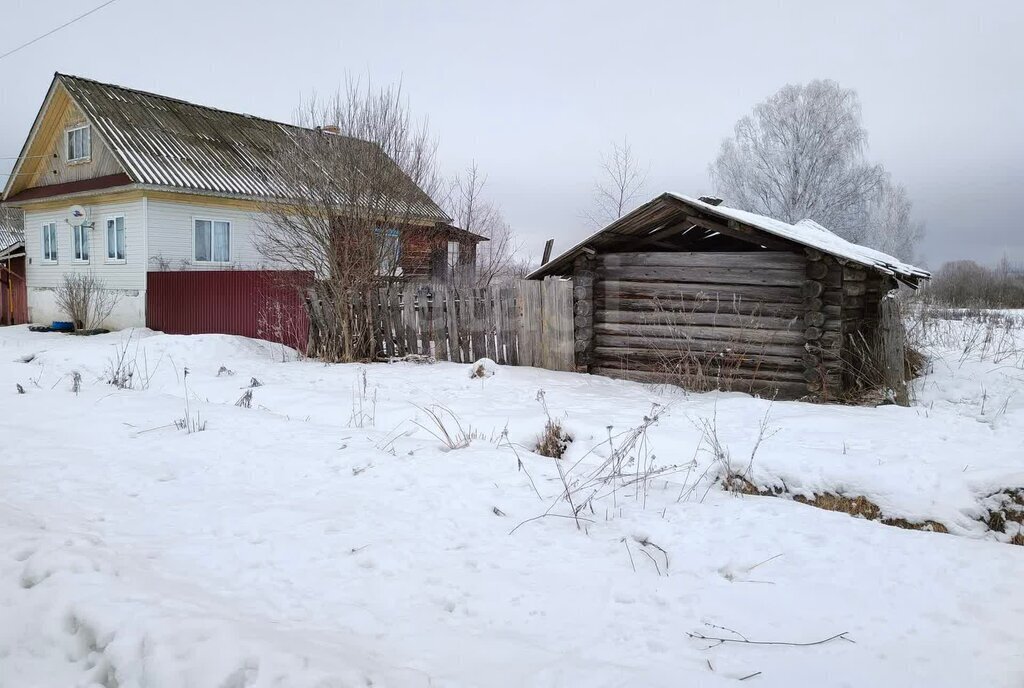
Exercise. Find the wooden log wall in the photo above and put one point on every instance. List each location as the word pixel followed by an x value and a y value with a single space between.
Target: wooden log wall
pixel 823 333
pixel 584 274
pixel 737 321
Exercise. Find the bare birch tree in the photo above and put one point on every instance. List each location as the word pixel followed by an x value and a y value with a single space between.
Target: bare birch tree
pixel 800 154
pixel 356 177
pixel 618 186
pixel 472 211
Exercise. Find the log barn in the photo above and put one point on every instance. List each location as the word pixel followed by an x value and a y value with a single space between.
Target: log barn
pixel 688 291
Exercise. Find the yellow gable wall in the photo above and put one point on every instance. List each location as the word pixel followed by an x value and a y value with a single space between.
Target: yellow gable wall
pixel 46 161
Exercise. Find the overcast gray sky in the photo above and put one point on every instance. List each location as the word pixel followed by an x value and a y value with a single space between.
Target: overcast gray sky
pixel 536 91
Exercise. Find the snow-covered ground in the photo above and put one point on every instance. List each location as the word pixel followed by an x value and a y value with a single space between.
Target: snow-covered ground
pixel 327 537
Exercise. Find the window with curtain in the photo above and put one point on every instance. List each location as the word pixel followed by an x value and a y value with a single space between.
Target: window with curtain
pixel 115 238
pixel 50 242
pixel 79 144
pixel 212 241
pixel 80 243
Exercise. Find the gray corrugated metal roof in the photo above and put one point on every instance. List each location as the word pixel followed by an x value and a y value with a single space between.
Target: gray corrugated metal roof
pixel 168 142
pixel 12 228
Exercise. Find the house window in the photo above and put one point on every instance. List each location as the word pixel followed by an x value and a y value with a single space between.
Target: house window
pixel 115 239
pixel 212 241
pixel 80 243
pixel 50 242
pixel 79 144
pixel 390 251
pixel 453 256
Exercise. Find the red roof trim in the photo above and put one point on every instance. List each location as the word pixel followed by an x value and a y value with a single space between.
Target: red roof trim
pixel 94 184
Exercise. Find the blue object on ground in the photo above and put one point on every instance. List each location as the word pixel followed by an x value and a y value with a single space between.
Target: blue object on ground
pixel 62 326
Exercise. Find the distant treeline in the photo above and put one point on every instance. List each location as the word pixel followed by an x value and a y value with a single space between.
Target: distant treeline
pixel 965 284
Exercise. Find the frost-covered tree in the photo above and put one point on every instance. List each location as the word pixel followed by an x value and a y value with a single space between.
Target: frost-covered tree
pixel 801 154
pixel 887 223
pixel 618 185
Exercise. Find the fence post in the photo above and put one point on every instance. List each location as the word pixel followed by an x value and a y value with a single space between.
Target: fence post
pixel 892 348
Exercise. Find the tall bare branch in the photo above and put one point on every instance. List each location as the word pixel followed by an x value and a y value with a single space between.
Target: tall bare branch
pixel 619 184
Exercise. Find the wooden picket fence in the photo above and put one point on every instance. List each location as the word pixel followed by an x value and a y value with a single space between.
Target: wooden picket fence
pixel 526 322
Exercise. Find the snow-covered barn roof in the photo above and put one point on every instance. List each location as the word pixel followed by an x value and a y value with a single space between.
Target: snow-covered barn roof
pixel 162 141
pixel 672 214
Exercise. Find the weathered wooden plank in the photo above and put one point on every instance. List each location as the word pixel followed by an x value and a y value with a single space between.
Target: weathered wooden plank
pixel 726 334
pixel 739 371
pixel 781 390
pixel 476 323
pixel 892 350
pixel 716 276
pixel 452 320
pixel 698 305
pixel 698 345
pixel 563 333
pixel 691 318
pixel 529 318
pixel 409 319
pixel 728 293
pixel 752 260
pixel 644 353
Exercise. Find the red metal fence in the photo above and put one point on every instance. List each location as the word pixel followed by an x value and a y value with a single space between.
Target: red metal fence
pixel 253 303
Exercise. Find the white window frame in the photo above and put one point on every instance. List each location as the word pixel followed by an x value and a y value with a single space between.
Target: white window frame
pixel 47 227
pixel 106 239
pixel 212 222
pixel 453 267
pixel 67 144
pixel 82 229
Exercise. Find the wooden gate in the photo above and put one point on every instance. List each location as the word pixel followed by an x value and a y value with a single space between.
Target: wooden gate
pixel 13 294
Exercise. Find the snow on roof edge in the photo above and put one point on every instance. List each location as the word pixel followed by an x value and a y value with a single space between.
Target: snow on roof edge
pixel 814 235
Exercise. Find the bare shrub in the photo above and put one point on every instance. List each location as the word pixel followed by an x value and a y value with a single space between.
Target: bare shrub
pixel 966 284
pixel 361 173
pixel 85 299
pixel 245 401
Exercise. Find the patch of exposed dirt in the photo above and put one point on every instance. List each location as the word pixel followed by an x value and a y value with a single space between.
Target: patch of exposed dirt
pixel 1006 513
pixel 855 506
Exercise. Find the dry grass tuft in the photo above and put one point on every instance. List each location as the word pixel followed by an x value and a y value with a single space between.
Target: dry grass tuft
pixel 553 441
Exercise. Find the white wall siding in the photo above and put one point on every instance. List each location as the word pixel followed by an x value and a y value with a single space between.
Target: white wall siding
pixel 127 278
pixel 171 229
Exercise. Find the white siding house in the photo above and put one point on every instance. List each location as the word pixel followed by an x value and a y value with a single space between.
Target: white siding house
pixel 172 236
pixel 127 275
pixel 165 186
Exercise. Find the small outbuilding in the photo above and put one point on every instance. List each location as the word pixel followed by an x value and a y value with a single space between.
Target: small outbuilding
pixel 13 301
pixel 691 292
